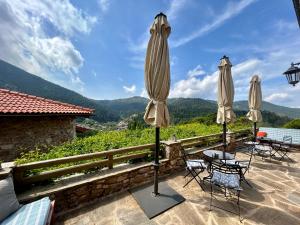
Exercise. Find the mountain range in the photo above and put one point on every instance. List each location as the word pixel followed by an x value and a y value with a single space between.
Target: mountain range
pixel 14 78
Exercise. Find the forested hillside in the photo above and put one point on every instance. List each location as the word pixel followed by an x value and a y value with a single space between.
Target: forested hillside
pixel 181 109
pixel 13 78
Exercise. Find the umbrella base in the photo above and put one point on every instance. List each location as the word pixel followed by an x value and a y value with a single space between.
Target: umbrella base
pixel 154 205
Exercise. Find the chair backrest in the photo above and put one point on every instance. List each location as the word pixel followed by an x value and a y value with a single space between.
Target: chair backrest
pixel 287 139
pixel 263 146
pixel 183 155
pixel 226 168
pixel 226 175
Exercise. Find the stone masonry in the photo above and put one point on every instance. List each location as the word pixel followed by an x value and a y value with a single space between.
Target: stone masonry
pixel 70 196
pixel 24 133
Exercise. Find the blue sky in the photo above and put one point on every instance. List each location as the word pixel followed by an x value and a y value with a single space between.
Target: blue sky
pixel 97 48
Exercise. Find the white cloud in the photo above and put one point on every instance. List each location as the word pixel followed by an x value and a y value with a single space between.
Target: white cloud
pixel 94 73
pixel 137 61
pixel 197 71
pixel 139 46
pixel 104 5
pixel 130 89
pixel 277 97
pixel 61 14
pixel 284 25
pixel 144 93
pixel 206 86
pixel 175 7
pixel 55 53
pixel 26 43
pixel 230 11
pixel 193 87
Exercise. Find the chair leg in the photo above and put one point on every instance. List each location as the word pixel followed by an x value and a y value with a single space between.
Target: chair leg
pixel 238 203
pixel 195 175
pixel 211 196
pixel 188 173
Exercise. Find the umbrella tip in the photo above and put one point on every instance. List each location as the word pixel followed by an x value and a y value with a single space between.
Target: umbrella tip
pixel 224 57
pixel 160 14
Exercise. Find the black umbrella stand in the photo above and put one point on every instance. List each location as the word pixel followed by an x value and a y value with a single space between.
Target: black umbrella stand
pixel 152 201
pixel 224 139
pixel 254 131
pixel 156 160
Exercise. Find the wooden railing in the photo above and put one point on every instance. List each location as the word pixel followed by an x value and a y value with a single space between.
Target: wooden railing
pixel 99 159
pixel 55 168
pixel 211 139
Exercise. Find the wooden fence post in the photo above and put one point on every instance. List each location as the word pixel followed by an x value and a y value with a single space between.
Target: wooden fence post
pixel 110 161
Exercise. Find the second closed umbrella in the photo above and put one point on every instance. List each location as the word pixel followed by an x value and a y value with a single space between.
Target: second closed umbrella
pixel 255 101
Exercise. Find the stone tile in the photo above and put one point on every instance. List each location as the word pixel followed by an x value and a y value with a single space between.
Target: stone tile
pixel 275 199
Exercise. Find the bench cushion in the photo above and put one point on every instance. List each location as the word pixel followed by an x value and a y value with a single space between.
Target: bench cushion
pixel 33 213
pixel 8 200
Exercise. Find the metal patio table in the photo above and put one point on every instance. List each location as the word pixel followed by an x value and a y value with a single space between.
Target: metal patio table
pixel 215 155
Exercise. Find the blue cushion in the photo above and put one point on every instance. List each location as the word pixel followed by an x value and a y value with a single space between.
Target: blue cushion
pixel 33 213
pixel 226 180
pixel 194 163
pixel 8 200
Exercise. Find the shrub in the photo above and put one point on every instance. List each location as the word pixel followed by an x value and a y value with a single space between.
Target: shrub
pixel 104 140
pixel 295 124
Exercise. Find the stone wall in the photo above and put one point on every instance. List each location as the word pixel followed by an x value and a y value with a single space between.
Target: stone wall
pixel 23 133
pixel 72 195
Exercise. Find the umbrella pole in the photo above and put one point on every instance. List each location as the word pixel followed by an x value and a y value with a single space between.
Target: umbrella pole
pixel 224 139
pixel 254 131
pixel 156 161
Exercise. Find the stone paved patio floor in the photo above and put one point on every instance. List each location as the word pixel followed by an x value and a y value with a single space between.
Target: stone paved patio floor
pixel 275 199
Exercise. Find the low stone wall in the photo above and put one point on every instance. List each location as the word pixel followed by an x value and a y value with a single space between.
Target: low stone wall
pixel 72 195
pixel 24 133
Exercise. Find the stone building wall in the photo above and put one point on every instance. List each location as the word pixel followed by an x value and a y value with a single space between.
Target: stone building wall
pixel 24 133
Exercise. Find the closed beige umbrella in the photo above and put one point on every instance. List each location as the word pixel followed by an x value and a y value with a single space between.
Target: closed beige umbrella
pixel 225 96
pixel 255 101
pixel 157 81
pixel 157 73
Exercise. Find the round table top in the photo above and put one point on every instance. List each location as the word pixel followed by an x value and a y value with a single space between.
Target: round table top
pixel 217 154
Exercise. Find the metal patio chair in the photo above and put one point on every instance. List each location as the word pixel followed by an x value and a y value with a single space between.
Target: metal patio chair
pixel 193 167
pixel 228 178
pixel 283 148
pixel 243 164
pixel 264 149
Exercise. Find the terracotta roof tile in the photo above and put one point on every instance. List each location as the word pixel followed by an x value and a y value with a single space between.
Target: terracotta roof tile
pixel 12 102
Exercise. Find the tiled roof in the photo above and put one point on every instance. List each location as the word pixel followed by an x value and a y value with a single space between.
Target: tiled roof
pixel 12 103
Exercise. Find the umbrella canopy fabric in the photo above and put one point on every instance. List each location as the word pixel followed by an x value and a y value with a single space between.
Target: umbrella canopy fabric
pixel 255 100
pixel 157 73
pixel 225 93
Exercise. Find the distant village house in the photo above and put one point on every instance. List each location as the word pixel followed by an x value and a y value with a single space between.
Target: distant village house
pixel 28 121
